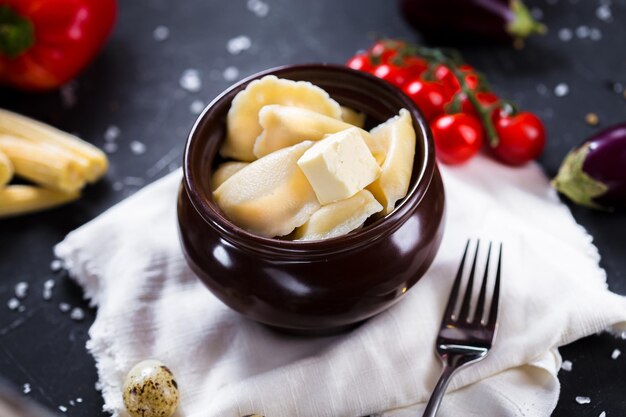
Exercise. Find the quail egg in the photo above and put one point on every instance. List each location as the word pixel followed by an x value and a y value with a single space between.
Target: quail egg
pixel 150 390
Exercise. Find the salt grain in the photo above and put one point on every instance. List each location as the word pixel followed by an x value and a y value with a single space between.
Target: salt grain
pixel 583 400
pixel 110 147
pixel 21 289
pixel 118 186
pixel 68 94
pixel 237 45
pixel 26 389
pixel 64 307
pixel 258 7
pixel 536 13
pixel 63 408
pixel 595 34
pixel 618 88
pixel 230 73
pixel 112 133
pixel 602 414
pixel 561 90
pixel 196 106
pixel 582 32
pixel 565 35
pixel 48 285
pixel 72 403
pixel 79 400
pixel 21 308
pixel 542 89
pixel 567 366
pixel 137 148
pixel 616 353
pixel 190 80
pixel 13 303
pixel 56 265
pixel 604 13
pixel 77 314
pixel 161 33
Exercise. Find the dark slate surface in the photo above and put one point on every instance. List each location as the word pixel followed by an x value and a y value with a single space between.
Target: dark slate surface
pixel 134 85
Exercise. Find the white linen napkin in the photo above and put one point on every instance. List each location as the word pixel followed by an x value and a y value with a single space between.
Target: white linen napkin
pixel 150 305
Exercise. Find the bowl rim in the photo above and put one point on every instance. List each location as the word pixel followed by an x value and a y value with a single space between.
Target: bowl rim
pixel 215 218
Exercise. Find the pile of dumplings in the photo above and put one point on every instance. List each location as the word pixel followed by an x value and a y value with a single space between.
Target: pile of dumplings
pixel 270 126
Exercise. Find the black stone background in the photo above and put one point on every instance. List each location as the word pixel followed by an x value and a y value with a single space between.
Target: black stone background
pixel 134 84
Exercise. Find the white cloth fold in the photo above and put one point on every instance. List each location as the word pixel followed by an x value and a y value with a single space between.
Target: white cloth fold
pixel 150 305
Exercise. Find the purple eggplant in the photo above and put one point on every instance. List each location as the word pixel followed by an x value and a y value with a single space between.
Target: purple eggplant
pixel 594 174
pixel 497 20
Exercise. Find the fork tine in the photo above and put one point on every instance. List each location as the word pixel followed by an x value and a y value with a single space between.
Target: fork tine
pixel 467 298
pixel 447 315
pixel 480 305
pixel 495 300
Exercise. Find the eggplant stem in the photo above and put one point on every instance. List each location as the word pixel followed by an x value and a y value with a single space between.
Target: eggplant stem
pixel 523 23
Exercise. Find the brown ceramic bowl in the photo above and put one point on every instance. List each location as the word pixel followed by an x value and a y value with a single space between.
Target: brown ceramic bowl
pixel 315 286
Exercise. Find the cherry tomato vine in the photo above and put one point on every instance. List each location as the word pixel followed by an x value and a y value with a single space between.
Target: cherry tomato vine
pixel 443 85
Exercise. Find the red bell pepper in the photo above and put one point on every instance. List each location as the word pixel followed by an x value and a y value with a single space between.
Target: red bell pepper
pixel 45 43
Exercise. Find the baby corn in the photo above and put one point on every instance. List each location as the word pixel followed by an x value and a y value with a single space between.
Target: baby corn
pixel 46 165
pixel 92 160
pixel 21 199
pixel 6 169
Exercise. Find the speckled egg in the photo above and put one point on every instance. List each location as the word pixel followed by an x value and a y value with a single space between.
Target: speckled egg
pixel 150 390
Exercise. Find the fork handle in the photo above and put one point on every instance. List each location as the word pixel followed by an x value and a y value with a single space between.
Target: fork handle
pixel 435 399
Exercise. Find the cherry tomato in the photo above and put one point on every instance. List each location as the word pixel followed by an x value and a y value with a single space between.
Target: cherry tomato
pixel 449 81
pixel 430 97
pixel 383 51
pixel 522 137
pixel 394 74
pixel 484 98
pixel 360 62
pixel 458 137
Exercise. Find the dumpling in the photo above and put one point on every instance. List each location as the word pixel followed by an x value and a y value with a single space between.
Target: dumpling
pixel 224 172
pixel 271 196
pixel 398 138
pixel 353 117
pixel 339 218
pixel 243 117
pixel 285 126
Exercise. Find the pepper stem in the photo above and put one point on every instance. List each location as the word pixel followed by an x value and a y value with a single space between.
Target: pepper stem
pixel 17 34
pixel 523 23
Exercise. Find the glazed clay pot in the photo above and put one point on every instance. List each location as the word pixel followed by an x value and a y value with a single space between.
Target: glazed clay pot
pixel 316 286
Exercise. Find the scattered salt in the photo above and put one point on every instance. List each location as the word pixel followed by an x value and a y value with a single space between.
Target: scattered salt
pixel 137 148
pixel 79 400
pixel 64 307
pixel 63 408
pixel 68 94
pixel 26 389
pixel 21 308
pixel 603 13
pixel 134 181
pixel 565 35
pixel 542 89
pixel 77 314
pixel 258 7
pixel 582 31
pixel 56 265
pixel 561 90
pixel 616 353
pixel 239 44
pixel 190 80
pixel 602 414
pixel 48 285
pixel 595 34
pixel 110 147
pixel 72 403
pixel 583 400
pixel 230 73
pixel 196 106
pixel 161 33
pixel 567 366
pixel 618 88
pixel 536 13
pixel 112 133
pixel 13 303
pixel 21 289
pixel 118 186
pixel 623 335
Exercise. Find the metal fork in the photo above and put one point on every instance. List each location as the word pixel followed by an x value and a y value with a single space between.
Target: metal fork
pixel 462 339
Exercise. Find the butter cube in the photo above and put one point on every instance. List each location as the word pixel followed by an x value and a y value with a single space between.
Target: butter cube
pixel 339 166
